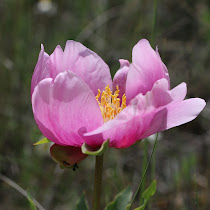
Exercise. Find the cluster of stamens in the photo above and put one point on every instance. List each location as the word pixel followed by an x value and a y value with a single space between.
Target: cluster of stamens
pixel 110 103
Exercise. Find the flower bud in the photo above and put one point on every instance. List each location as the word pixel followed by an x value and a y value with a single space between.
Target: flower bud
pixel 67 156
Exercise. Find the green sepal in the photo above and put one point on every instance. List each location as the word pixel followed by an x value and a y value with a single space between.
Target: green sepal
pixel 62 167
pixel 42 141
pixel 121 200
pixel 32 205
pixel 86 149
pixel 82 203
pixel 147 194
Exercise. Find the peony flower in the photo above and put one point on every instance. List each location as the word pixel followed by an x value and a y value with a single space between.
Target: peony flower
pixel 74 100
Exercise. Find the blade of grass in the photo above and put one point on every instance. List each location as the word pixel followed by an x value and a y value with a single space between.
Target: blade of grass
pixel 142 179
pixel 196 195
pixel 31 202
pixel 154 22
pixel 153 163
pixel 153 166
pixel 20 190
pixel 143 169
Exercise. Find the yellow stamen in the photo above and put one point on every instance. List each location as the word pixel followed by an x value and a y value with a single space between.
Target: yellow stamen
pixel 110 103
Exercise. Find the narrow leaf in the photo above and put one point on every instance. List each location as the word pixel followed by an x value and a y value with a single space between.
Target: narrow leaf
pixel 86 149
pixel 150 191
pixel 32 205
pixel 43 141
pixel 147 194
pixel 121 200
pixel 82 203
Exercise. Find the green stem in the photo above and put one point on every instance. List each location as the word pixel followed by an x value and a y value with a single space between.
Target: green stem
pixel 197 200
pixel 153 166
pixel 154 21
pixel 97 182
pixel 142 179
pixel 143 168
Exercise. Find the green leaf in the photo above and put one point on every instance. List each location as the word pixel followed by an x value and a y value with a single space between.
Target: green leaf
pixel 82 203
pixel 147 194
pixel 121 200
pixel 150 191
pixel 128 206
pixel 43 141
pixel 32 205
pixel 86 149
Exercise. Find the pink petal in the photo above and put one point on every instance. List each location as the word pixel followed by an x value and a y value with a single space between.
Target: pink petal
pixel 41 70
pixel 179 92
pixel 164 67
pixel 145 70
pixel 56 62
pixel 123 63
pixel 183 112
pixel 175 114
pixel 65 108
pixel 112 130
pixel 135 119
pixel 121 77
pixel 125 129
pixel 147 114
pixel 84 63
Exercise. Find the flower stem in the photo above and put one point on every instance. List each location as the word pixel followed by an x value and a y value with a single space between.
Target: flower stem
pixel 97 182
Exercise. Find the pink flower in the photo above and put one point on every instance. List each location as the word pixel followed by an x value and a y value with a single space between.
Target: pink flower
pixel 73 101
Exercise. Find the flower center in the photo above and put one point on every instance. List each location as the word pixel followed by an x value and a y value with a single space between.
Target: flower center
pixel 110 103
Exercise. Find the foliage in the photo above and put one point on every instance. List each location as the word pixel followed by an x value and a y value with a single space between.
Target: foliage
pixel 82 203
pixel 121 200
pixel 32 205
pixel 147 194
pixel 42 141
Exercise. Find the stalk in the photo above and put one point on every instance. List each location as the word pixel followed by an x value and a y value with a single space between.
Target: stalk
pixel 97 182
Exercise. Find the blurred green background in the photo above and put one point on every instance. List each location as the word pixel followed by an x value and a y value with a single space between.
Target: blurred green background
pixel 111 29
